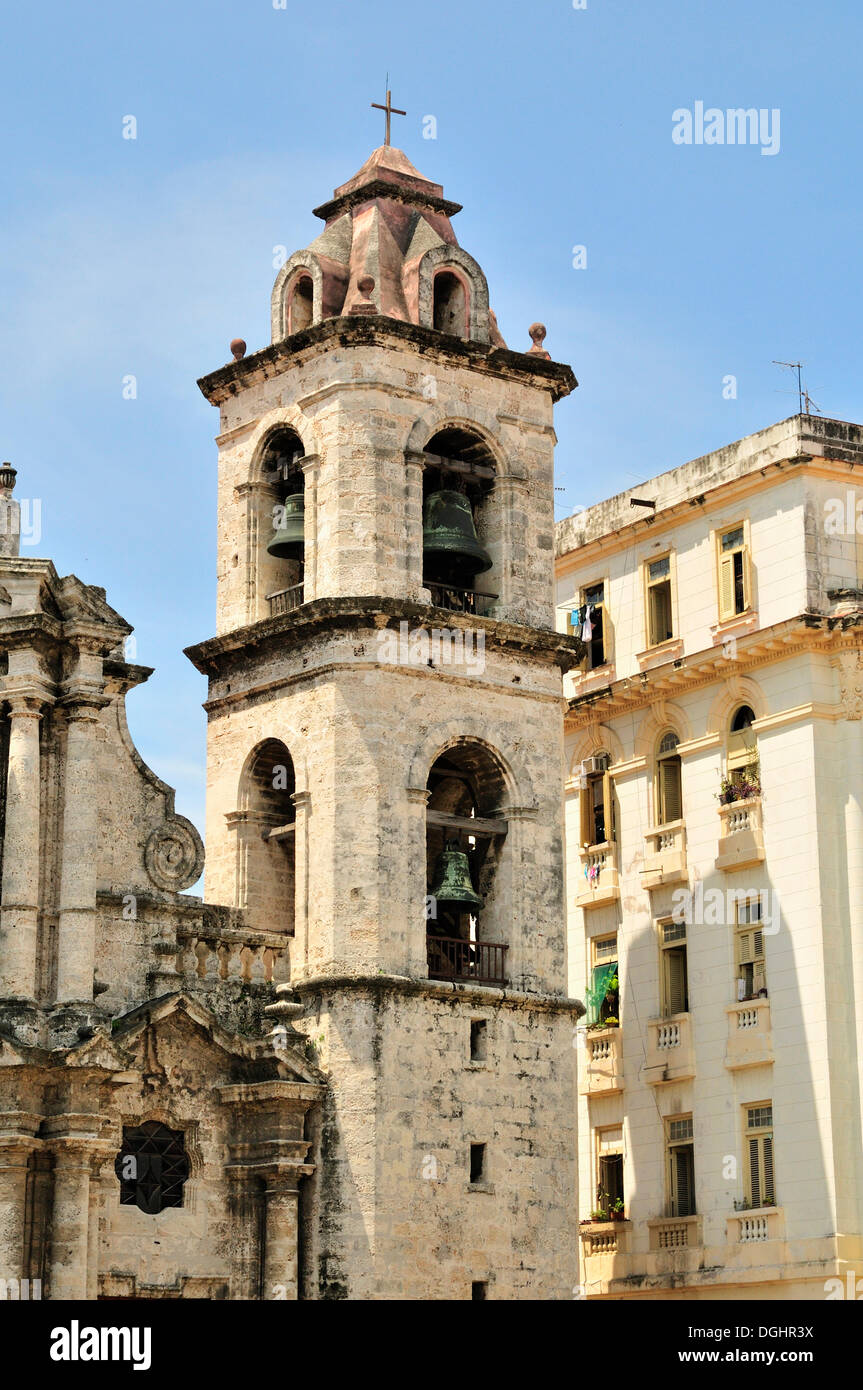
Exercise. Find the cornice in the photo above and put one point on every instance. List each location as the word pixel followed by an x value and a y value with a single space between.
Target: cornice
pixel 376 330
pixel 805 633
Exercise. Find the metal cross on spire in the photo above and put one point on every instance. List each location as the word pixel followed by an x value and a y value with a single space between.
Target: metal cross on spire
pixel 390 110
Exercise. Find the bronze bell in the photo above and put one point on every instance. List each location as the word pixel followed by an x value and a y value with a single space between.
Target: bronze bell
pixel 451 880
pixel 287 542
pixel 451 551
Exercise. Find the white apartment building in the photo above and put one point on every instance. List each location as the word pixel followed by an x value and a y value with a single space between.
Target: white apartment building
pixel 714 820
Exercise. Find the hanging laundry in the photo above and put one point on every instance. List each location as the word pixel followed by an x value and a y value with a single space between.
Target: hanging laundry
pixel 587 626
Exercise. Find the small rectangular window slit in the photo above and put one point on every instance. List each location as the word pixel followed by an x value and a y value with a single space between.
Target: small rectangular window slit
pixel 477 1162
pixel 478 1040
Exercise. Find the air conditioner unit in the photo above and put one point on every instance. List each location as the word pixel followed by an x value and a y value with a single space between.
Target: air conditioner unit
pixel 600 763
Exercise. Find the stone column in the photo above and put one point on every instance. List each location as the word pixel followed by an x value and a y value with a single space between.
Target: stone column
pixel 15 1150
pixel 76 931
pixel 416 888
pixel 70 1241
pixel 97 1162
pixel 300 953
pixel 20 896
pixel 413 552
pixel 281 1197
pixel 311 468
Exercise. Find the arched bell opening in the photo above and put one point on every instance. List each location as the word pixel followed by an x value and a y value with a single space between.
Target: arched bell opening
pixel 267 825
pixel 450 304
pixel 283 535
pixel 466 870
pixel 301 304
pixel 460 534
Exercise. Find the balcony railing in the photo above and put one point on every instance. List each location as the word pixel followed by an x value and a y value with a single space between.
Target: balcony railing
pixel 603 1062
pixel 741 841
pixel 670 1054
pixel 285 601
pixel 460 600
pixel 756 1225
pixel 481 962
pixel 750 1039
pixel 604 1238
pixel 599 876
pixel 664 855
pixel 675 1232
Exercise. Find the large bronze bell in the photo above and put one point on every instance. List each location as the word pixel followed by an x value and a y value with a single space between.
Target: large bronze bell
pixel 451 880
pixel 287 543
pixel 451 551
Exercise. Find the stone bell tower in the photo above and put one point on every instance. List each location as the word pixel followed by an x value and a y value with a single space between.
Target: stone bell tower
pixel 385 746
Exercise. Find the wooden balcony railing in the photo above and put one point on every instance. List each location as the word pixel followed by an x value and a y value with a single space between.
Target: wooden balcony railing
pixel 482 962
pixel 460 600
pixel 285 601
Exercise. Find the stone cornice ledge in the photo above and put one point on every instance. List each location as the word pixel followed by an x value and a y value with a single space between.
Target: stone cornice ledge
pixel 382 613
pixel 441 989
pixel 377 329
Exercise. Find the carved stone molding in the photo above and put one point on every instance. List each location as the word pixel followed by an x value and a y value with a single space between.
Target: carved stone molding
pixel 174 855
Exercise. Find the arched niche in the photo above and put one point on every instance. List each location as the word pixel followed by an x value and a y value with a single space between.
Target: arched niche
pixel 278 465
pixel 459 461
pixel 267 818
pixel 456 263
pixel 468 847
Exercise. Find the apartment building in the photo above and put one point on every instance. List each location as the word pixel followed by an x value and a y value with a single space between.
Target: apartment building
pixel 714 823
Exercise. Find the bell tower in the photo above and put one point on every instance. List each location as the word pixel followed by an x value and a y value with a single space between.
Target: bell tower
pixel 385 747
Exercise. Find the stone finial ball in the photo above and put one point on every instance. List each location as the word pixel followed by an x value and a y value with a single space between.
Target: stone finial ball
pixel 366 285
pixel 238 348
pixel 537 332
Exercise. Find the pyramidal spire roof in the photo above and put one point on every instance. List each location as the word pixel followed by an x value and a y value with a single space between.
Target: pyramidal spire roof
pixel 388 169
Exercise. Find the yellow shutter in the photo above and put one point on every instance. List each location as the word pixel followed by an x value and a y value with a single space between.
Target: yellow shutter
pixel 670 804
pixel 747 590
pixel 586 827
pixel 608 800
pixel 726 586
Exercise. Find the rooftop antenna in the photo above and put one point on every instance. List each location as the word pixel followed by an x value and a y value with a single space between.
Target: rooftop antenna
pixel 798 368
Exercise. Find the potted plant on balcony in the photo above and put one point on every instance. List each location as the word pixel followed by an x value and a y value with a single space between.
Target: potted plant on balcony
pixel 740 785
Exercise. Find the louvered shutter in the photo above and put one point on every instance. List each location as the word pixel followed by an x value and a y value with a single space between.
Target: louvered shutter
pixel 754 1173
pixel 675 964
pixel 669 787
pixel 726 586
pixel 767 1192
pixel 683 1195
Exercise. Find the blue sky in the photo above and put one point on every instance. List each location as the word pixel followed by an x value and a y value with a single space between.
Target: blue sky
pixel 554 125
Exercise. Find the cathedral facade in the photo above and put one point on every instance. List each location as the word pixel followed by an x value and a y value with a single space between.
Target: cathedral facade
pixel 350 1071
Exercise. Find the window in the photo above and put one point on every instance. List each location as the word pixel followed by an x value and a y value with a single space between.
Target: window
pixel 742 752
pixel 589 622
pixel 609 1169
pixel 680 1161
pixel 660 627
pixel 751 968
pixel 760 1190
pixel 152 1167
pixel 674 978
pixel 597 801
pixel 478 1039
pixel 477 1163
pixel 603 993
pixel 733 560
pixel 479 1291
pixel 669 799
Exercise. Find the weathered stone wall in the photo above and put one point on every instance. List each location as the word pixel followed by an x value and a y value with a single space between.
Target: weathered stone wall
pixel 394 1215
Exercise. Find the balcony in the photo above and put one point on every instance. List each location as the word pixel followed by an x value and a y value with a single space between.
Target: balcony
pixel 460 600
pixel 599 1238
pixel 285 601
pixel 599 876
pixel 670 1054
pixel 750 1039
pixel 755 1226
pixel 602 1069
pixel 741 842
pixel 675 1232
pixel 664 855
pixel 474 962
